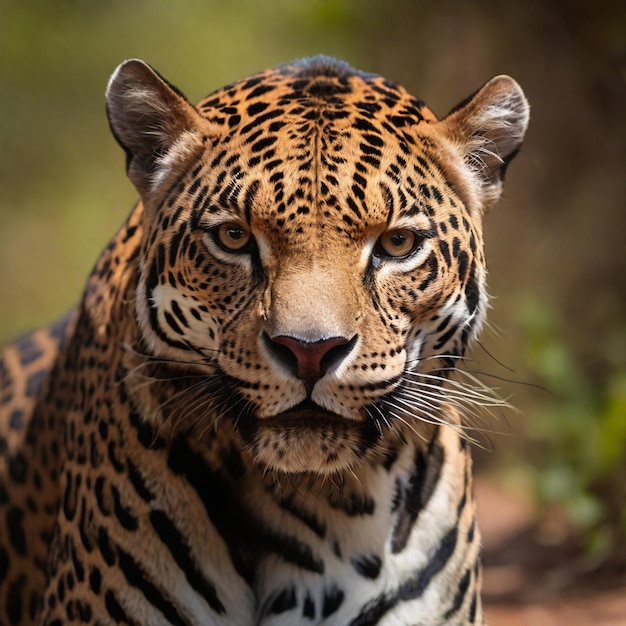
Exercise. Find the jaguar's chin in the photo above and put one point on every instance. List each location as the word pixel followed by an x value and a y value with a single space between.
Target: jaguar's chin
pixel 308 438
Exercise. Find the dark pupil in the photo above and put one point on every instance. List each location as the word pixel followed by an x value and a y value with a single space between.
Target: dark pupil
pixel 235 233
pixel 398 240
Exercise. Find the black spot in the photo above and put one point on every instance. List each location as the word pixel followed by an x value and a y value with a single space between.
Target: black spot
pixel 363 124
pixel 472 292
pixel 445 251
pixel 462 501
pixel 417 493
pixel 337 549
pixel 255 123
pixel 259 91
pixel 460 595
pixel 437 194
pixel 433 271
pixel 213 492
pixel 370 150
pixel 18 467
pixel 171 322
pixel 249 197
pixel 123 514
pixel 368 565
pixel 471 531
pixel 233 462
pixel 95 580
pixel 292 551
pixel 14 595
pixel 473 606
pixel 112 456
pixel 425 190
pixel 145 433
pixel 179 549
pixel 130 231
pixel 35 383
pixel 103 429
pixel 175 243
pixel 4 564
pixel 307 517
pixel 369 107
pixel 79 569
pixel 333 598
pixel 17 537
pixel 16 419
pixel 443 339
pixel 191 191
pixel 308 609
pixel 61 588
pixel 105 546
pixel 157 597
pixel 29 350
pixel 356 504
pixel 414 587
pixel 373 140
pixel 138 482
pixel 82 526
pixel 179 313
pixel 99 493
pixel 69 497
pixel 33 606
pixel 391 456
pixel 263 144
pixel 114 609
pixel 284 601
pixel 444 324
pixel 463 265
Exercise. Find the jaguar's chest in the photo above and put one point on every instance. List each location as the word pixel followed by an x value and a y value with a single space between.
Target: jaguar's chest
pixel 225 543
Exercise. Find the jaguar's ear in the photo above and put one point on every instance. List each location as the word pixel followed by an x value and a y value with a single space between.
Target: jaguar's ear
pixel 488 129
pixel 150 119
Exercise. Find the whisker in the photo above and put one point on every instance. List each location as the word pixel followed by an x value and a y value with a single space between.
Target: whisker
pixel 168 360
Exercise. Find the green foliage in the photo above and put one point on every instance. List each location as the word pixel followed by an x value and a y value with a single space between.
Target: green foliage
pixel 578 435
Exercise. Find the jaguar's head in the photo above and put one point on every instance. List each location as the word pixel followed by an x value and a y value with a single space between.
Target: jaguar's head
pixel 312 249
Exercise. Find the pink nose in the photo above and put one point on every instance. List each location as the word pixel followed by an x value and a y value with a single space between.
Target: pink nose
pixel 309 361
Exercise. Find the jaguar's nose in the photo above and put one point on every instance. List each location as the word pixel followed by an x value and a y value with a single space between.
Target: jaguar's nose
pixel 309 360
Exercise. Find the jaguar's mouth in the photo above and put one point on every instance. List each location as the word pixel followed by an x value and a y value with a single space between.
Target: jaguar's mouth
pixel 306 413
pixel 307 438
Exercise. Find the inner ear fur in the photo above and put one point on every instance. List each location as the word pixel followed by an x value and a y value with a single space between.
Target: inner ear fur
pixel 488 128
pixel 148 117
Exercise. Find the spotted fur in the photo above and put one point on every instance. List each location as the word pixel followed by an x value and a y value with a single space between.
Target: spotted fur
pixel 251 416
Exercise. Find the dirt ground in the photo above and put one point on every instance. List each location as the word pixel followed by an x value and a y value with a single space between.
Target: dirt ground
pixel 528 583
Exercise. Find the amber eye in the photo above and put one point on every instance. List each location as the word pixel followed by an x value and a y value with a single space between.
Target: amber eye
pixel 232 237
pixel 397 243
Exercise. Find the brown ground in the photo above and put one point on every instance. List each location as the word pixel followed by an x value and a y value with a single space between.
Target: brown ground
pixel 530 584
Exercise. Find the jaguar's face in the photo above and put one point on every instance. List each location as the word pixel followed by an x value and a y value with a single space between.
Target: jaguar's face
pixel 313 241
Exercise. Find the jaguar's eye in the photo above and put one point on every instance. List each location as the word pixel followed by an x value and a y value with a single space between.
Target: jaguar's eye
pixel 397 243
pixel 232 237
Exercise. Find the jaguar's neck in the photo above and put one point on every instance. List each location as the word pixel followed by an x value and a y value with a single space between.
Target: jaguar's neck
pixel 365 527
pixel 306 545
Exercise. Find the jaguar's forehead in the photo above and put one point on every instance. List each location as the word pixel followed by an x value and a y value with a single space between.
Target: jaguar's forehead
pixel 313 137
pixel 318 86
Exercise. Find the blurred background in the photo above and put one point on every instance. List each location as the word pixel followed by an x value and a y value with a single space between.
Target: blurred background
pixel 556 243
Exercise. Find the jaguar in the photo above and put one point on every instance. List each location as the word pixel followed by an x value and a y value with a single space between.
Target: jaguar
pixel 259 412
